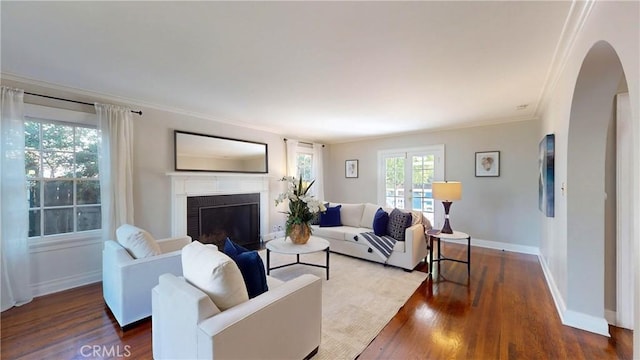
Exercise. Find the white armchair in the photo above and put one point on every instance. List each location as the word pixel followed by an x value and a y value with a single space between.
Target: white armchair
pixel 282 323
pixel 127 282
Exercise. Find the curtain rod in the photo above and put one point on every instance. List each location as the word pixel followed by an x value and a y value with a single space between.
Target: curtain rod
pixel 302 142
pixel 139 112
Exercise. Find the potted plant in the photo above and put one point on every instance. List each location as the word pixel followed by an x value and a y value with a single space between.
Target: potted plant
pixel 302 208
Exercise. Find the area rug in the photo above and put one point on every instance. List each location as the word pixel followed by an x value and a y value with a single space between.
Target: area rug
pixel 358 300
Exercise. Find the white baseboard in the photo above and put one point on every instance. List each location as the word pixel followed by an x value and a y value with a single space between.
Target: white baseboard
pixel 525 249
pixel 586 322
pixel 594 324
pixel 572 318
pixel 611 317
pixel 53 286
pixel 273 235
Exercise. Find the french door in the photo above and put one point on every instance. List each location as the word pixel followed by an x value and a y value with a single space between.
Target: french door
pixel 405 179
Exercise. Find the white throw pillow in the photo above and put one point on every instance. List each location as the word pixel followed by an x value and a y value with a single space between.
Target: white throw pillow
pixel 215 273
pixel 351 214
pixel 368 214
pixel 139 243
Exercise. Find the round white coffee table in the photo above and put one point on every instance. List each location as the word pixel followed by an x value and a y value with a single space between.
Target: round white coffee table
pixel 286 246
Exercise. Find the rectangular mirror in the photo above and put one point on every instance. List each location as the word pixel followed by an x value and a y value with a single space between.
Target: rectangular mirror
pixel 199 152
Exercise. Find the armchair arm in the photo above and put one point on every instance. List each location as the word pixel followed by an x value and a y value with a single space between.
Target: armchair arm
pixel 178 307
pixel 127 282
pixel 415 242
pixel 173 244
pixel 283 323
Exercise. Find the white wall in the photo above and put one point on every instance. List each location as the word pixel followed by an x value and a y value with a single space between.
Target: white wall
pixel 502 209
pixel 617 24
pixel 57 267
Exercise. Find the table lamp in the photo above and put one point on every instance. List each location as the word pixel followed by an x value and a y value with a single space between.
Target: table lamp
pixel 447 191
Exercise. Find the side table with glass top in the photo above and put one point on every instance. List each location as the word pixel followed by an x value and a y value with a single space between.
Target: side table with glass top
pixel 286 246
pixel 457 235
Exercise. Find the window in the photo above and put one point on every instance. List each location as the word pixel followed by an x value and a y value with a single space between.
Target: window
pixel 61 168
pixel 406 177
pixel 304 162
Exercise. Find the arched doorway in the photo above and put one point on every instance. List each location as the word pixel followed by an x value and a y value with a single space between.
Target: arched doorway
pixel 592 113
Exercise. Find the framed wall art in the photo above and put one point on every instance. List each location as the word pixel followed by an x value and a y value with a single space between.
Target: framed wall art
pixel 546 176
pixel 351 168
pixel 487 163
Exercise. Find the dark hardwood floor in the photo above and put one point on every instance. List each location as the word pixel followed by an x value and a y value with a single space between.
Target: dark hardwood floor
pixel 504 311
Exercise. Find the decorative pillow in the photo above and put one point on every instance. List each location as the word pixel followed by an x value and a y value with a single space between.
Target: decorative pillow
pixel 351 214
pixel 251 267
pixel 315 220
pixel 380 222
pixel 215 273
pixel 399 221
pixel 139 243
pixel 416 217
pixel 331 217
pixel 232 249
pixel 368 214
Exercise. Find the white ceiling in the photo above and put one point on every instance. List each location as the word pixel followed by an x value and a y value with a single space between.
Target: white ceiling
pixel 325 71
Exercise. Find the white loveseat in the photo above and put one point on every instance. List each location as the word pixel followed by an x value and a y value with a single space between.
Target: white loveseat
pixel 282 323
pixel 358 218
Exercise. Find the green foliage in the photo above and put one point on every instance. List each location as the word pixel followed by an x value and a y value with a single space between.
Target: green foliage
pixel 57 156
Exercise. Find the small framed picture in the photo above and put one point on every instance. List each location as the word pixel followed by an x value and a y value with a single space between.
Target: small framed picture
pixel 488 163
pixel 351 168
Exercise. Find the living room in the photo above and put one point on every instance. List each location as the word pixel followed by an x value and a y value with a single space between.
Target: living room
pixel 498 212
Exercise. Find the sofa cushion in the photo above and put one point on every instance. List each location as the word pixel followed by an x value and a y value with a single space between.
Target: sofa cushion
pixel 334 232
pixel 380 222
pixel 138 242
pixel 251 267
pixel 368 214
pixel 399 221
pixel 351 214
pixel 215 273
pixel 331 217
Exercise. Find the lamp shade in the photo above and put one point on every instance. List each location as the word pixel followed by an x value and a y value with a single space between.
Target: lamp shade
pixel 447 190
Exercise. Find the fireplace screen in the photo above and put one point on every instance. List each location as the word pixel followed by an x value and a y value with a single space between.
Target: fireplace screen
pixel 211 219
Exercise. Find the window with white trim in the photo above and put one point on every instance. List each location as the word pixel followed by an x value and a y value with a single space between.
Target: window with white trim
pixel 304 162
pixel 406 176
pixel 61 169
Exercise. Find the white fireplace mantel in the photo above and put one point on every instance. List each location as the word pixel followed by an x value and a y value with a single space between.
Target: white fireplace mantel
pixel 185 184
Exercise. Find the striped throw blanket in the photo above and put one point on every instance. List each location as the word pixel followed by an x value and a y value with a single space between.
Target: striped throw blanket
pixel 382 245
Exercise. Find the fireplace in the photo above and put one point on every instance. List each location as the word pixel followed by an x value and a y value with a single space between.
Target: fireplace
pixel 194 184
pixel 211 219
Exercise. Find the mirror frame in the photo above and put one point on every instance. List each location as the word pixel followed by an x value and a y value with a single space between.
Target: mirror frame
pixel 223 139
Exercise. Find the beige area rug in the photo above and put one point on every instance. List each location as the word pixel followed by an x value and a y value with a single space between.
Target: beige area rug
pixel 358 300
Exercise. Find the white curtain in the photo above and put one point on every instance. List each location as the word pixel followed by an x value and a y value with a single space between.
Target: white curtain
pixel 292 161
pixel 318 171
pixel 14 218
pixel 115 126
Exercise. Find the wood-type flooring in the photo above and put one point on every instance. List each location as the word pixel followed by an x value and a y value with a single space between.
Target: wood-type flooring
pixel 503 311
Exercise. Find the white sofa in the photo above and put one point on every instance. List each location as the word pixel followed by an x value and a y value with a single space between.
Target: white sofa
pixel 282 323
pixel 358 218
pixel 127 282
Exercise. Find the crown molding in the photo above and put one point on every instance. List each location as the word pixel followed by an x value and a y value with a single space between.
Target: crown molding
pixel 84 94
pixel 576 18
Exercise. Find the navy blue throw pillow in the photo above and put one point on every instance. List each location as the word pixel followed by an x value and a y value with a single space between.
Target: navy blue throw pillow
pixel 232 249
pixel 380 222
pixel 251 267
pixel 331 217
